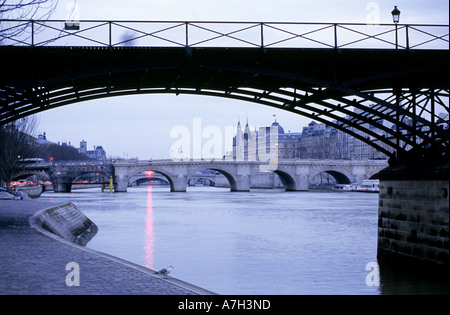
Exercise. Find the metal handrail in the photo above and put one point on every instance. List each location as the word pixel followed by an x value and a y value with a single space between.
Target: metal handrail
pixel 108 33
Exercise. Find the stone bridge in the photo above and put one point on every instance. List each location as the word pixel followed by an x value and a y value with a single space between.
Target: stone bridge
pixel 295 175
pixel 241 175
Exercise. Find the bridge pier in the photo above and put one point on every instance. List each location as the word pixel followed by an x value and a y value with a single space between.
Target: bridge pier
pixel 62 187
pixel 178 184
pixel 413 216
pixel 121 184
pixel 122 174
pixel 301 183
pixel 241 186
pixel 241 179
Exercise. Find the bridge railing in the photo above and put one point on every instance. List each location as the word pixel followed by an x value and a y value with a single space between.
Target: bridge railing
pixel 222 34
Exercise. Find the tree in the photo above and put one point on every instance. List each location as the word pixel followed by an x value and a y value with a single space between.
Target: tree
pixel 27 9
pixel 22 10
pixel 16 143
pixel 59 152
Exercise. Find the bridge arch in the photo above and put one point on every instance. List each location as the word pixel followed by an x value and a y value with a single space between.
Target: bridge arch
pixel 341 175
pixel 171 178
pixel 287 180
pixel 205 178
pixel 222 170
pixel 332 88
pixel 145 178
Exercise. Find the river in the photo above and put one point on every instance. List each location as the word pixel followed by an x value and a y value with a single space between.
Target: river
pixel 259 242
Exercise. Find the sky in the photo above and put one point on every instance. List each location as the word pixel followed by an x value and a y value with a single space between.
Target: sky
pixel 141 125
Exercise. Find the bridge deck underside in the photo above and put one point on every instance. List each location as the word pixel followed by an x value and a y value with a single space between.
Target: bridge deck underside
pixel 323 84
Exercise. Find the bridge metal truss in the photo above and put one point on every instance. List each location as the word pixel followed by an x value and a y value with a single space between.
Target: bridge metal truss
pixel 396 100
pixel 372 116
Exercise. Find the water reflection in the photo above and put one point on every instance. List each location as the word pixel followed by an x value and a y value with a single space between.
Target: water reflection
pixel 149 239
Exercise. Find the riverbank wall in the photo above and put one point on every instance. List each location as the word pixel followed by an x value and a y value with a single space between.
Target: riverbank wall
pixel 413 216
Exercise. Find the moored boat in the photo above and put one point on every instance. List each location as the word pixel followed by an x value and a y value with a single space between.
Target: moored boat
pixel 369 185
pixel 344 187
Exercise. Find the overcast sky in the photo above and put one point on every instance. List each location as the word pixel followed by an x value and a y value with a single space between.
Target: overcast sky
pixel 140 126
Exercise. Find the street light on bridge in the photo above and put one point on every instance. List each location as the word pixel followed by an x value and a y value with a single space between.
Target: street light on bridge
pixel 396 15
pixel 396 18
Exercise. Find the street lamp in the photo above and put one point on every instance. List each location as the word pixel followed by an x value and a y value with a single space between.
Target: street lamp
pixel 395 15
pixel 396 18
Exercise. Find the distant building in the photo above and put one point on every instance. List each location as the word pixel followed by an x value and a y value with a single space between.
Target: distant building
pixel 320 141
pixel 83 147
pixel 246 143
pixel 42 139
pixel 97 154
pixel 316 141
pixel 287 143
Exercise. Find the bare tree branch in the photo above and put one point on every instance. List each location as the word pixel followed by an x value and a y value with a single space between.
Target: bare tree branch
pixel 22 10
pixel 27 9
pixel 17 142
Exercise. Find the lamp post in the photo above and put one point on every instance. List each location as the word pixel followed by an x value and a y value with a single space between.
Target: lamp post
pixel 396 18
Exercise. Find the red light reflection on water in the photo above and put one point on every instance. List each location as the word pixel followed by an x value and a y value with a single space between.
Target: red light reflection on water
pixel 149 237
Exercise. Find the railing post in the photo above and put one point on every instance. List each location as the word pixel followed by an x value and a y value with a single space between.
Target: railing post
pixel 335 37
pixel 407 38
pixel 110 34
pixel 187 34
pixel 32 33
pixel 262 35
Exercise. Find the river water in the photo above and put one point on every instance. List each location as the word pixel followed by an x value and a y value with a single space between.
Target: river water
pixel 260 242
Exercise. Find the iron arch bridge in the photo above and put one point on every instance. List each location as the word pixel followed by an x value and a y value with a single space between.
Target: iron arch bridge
pixel 384 85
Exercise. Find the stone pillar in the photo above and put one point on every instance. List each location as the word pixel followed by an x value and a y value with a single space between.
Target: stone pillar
pixel 413 217
pixel 242 184
pixel 62 187
pixel 359 174
pixel 301 183
pixel 121 176
pixel 178 176
pixel 242 178
pixel 178 184
pixel 121 184
pixel 302 177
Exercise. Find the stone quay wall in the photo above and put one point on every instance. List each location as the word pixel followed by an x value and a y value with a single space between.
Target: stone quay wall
pixel 413 222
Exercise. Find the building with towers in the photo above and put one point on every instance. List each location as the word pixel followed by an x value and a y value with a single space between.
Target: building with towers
pixel 97 154
pixel 315 141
